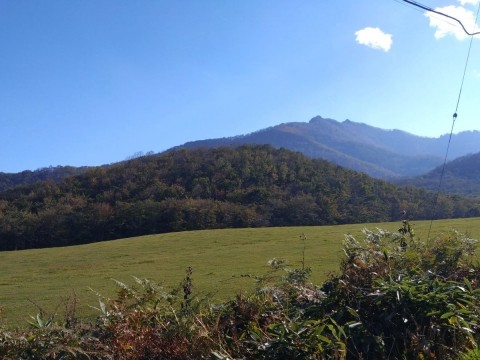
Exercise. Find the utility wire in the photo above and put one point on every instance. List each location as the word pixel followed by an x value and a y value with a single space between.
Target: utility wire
pixel 426 8
pixel 422 10
pixel 455 114
pixel 416 8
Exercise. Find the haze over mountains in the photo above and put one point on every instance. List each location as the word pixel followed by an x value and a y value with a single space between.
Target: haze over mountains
pixel 244 181
pixel 385 154
pixel 392 155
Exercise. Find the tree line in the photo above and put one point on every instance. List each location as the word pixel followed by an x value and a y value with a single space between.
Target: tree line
pixel 248 186
pixel 57 173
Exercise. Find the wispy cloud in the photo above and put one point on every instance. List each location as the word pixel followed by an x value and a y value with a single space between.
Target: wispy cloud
pixel 374 38
pixel 445 26
pixel 472 2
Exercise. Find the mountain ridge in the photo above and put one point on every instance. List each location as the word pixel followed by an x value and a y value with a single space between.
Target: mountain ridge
pixel 388 154
pixel 384 154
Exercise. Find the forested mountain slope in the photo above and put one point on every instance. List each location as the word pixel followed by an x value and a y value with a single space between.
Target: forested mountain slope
pixel 28 177
pixel 461 176
pixel 385 154
pixel 249 186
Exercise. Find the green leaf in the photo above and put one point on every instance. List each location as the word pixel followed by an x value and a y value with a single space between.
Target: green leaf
pixel 468 284
pixel 468 329
pixel 354 325
pixel 40 321
pixel 447 315
pixel 102 307
pixel 353 312
pixel 324 339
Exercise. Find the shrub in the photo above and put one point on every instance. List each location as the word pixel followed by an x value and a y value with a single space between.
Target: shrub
pixel 407 298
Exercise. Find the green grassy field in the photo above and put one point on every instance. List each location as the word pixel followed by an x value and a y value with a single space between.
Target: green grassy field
pixel 47 277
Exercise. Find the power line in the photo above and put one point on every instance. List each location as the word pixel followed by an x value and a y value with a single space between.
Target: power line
pixel 429 9
pixel 417 5
pixel 455 114
pixel 421 10
pixel 410 6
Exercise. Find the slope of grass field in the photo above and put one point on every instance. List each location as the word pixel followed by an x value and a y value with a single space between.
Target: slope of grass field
pixel 45 278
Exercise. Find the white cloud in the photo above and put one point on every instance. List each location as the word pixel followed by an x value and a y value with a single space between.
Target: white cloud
pixel 374 38
pixel 445 26
pixel 472 2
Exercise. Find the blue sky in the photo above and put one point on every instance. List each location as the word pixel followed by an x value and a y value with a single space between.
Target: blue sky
pixel 93 82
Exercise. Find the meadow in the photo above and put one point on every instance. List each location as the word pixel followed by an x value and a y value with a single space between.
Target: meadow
pixel 46 278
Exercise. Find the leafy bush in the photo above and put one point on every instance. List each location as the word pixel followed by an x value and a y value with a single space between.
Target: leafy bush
pixel 408 298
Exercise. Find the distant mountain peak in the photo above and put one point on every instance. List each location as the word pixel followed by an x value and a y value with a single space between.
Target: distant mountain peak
pixel 380 153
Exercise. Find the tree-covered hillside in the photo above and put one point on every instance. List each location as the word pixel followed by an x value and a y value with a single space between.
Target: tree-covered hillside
pixel 460 176
pixel 249 186
pixel 28 177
